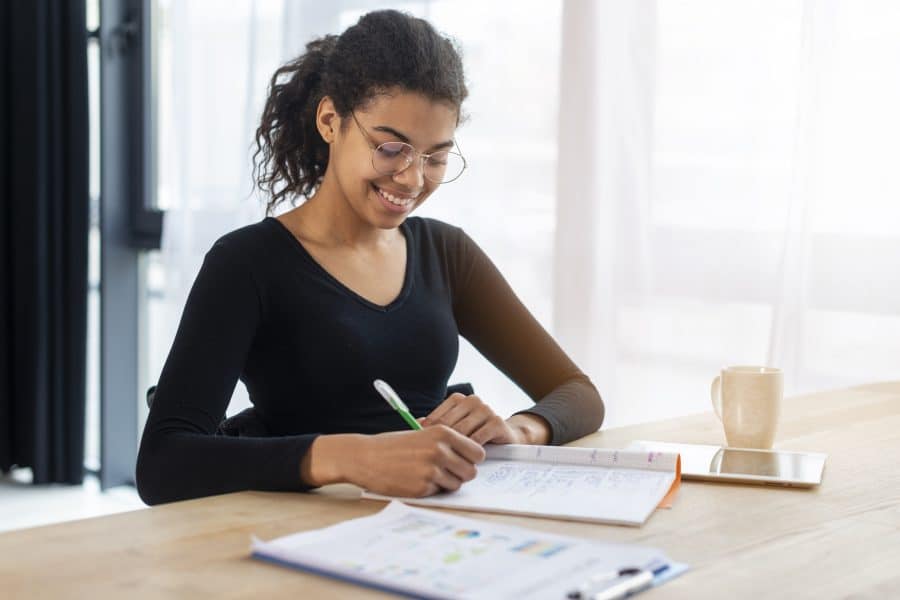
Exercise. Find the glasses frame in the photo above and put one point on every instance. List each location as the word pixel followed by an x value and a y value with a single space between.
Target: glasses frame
pixel 416 154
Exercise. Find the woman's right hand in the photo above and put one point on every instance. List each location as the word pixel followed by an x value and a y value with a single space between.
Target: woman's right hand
pixel 402 463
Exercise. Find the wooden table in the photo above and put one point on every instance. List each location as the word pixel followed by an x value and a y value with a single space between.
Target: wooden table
pixel 841 539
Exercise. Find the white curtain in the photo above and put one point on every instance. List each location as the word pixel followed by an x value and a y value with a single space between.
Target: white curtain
pixel 727 194
pixel 669 186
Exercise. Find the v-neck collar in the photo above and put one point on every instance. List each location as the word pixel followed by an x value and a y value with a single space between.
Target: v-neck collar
pixel 407 275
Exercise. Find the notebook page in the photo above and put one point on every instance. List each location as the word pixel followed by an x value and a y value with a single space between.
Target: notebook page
pixel 438 555
pixel 632 458
pixel 562 491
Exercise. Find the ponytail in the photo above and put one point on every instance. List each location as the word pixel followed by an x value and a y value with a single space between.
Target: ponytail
pixel 294 155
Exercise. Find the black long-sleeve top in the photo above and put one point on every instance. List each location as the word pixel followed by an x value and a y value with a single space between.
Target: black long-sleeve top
pixel 308 348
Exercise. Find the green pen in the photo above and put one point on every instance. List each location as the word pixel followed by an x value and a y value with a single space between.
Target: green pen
pixel 388 393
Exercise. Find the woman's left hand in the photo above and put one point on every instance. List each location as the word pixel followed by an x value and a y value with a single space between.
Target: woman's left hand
pixel 473 418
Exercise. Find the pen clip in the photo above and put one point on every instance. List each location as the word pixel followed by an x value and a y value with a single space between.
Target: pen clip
pixel 613 585
pixel 388 393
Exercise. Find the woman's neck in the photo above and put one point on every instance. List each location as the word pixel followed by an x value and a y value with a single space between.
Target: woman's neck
pixel 328 219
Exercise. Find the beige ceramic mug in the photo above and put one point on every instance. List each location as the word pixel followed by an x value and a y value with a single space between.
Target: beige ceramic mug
pixel 748 402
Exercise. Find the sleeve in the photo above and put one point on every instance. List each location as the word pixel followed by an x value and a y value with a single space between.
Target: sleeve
pixel 494 320
pixel 180 456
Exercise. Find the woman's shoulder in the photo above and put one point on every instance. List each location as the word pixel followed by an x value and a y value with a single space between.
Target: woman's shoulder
pixel 437 232
pixel 253 241
pixel 252 252
pixel 444 246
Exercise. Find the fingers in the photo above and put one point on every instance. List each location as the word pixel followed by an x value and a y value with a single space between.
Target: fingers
pixel 459 467
pixel 444 480
pixel 495 429
pixel 466 448
pixel 470 416
pixel 463 413
pixel 428 488
pixel 455 462
pixel 438 413
pixel 419 463
pixel 478 420
pixel 444 470
pixel 456 414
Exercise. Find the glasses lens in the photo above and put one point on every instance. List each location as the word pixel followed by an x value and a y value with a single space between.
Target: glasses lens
pixel 442 167
pixel 392 157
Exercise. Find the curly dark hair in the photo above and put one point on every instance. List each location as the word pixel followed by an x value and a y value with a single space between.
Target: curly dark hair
pixel 383 50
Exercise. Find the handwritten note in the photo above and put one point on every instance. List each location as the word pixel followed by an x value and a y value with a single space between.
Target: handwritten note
pixel 612 486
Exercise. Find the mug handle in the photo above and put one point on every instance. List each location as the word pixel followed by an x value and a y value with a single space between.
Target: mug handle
pixel 716 393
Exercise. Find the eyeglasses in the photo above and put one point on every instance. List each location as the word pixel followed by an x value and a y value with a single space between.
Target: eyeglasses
pixel 391 158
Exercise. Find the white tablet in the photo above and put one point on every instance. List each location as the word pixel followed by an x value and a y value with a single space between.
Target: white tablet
pixel 744 465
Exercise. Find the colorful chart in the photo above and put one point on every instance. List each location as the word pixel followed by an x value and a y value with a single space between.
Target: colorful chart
pixel 539 548
pixel 467 533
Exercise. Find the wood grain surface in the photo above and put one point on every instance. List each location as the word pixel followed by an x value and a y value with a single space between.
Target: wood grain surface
pixel 839 540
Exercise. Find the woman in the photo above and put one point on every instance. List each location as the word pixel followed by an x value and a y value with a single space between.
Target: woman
pixel 308 308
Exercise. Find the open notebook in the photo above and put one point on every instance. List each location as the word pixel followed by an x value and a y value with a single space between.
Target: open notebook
pixel 581 484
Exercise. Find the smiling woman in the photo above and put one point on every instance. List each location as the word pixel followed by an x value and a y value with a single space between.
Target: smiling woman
pixel 309 308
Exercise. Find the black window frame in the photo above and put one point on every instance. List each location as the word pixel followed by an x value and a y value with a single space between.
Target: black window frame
pixel 129 224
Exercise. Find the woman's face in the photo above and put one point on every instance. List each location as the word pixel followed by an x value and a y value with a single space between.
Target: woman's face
pixel 381 200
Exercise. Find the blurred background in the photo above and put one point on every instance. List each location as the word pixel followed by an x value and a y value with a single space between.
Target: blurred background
pixel 670 186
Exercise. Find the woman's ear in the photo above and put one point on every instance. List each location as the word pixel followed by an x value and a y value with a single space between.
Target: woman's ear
pixel 327 119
